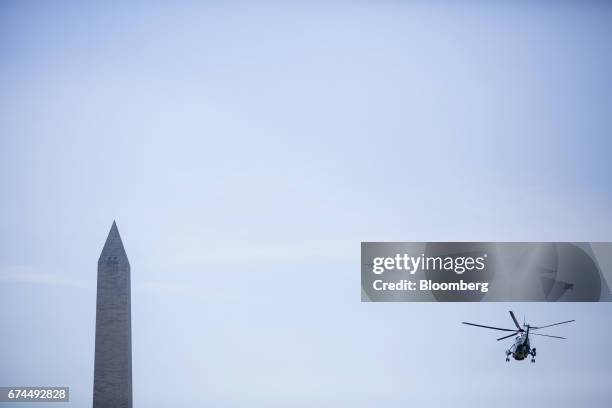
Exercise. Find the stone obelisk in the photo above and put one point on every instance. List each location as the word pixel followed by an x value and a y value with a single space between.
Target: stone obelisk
pixel 113 358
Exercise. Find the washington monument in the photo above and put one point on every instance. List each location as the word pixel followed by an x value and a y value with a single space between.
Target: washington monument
pixel 113 357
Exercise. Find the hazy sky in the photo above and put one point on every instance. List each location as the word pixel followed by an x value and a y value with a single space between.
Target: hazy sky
pixel 245 153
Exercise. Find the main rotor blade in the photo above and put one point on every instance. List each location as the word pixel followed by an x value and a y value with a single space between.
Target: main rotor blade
pixel 489 327
pixel 515 321
pixel 554 324
pixel 505 337
pixel 548 335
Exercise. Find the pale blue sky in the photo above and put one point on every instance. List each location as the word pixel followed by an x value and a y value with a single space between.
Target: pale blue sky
pixel 246 150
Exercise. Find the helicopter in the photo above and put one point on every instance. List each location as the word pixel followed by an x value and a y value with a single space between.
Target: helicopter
pixel 521 347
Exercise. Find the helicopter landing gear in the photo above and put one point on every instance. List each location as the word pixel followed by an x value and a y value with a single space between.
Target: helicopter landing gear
pixel 507 359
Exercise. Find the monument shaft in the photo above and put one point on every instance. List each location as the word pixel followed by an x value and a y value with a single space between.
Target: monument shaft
pixel 113 355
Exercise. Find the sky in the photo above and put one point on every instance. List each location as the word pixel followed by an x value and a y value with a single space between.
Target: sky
pixel 246 150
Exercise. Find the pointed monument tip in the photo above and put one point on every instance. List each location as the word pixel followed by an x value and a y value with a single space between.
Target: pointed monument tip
pixel 113 250
pixel 114 232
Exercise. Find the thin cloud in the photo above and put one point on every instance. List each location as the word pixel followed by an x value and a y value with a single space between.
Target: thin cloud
pixel 240 254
